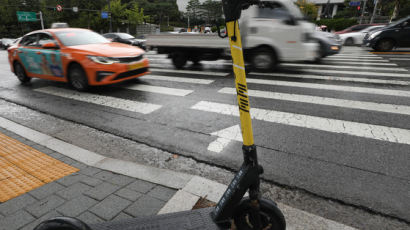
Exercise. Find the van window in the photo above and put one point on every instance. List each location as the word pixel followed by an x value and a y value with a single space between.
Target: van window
pixel 276 13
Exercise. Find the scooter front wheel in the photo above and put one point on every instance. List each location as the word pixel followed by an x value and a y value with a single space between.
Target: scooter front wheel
pixel 62 223
pixel 270 215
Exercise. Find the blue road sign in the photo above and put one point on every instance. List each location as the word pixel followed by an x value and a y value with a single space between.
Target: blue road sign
pixel 104 14
pixel 354 3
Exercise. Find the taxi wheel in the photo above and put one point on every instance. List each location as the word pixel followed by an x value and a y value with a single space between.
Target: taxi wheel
pixel 21 73
pixel 78 78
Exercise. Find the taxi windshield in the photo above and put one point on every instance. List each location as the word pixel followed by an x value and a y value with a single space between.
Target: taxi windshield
pixel 79 37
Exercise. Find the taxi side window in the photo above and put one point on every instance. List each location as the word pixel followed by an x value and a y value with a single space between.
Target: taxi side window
pixel 45 38
pixel 30 40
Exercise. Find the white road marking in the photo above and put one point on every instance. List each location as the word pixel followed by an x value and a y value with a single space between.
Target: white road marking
pixel 331 78
pixel 207 73
pixel 224 137
pixel 377 132
pixel 324 71
pixel 400 59
pixel 355 59
pixel 133 106
pixel 360 63
pixel 160 90
pixel 178 79
pixel 355 55
pixel 345 67
pixel 383 74
pixel 370 106
pixel 389 92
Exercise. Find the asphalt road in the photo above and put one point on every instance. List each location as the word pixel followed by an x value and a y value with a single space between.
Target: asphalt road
pixel 340 129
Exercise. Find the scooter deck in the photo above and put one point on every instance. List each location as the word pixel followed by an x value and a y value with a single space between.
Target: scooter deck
pixel 198 219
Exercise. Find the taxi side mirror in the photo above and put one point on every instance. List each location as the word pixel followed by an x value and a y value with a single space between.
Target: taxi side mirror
pixel 50 45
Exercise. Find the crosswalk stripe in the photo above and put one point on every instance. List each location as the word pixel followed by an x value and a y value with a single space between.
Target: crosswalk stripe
pixel 160 90
pixel 371 106
pixel 361 63
pixel 332 78
pixel 124 104
pixel 177 79
pixel 365 73
pixel 304 76
pixel 377 132
pixel 356 60
pixel 324 71
pixel 346 67
pixel 207 73
pixel 400 59
pixel 389 92
pixel 355 57
pixel 332 61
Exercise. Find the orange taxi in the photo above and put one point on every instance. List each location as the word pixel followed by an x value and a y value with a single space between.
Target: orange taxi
pixel 80 57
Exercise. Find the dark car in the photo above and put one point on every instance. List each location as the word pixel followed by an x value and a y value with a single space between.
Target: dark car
pixel 394 35
pixel 356 28
pixel 329 43
pixel 126 39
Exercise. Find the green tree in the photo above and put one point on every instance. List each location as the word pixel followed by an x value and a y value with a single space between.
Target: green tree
pixel 211 11
pixel 307 8
pixel 135 15
pixel 193 9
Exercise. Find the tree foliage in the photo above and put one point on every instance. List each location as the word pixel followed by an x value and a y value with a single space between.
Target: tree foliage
pixel 207 12
pixel 308 9
pixel 123 12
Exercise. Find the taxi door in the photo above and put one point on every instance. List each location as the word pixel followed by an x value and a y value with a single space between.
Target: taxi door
pixel 49 59
pixel 26 52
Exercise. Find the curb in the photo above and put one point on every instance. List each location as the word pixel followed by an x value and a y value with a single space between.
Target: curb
pixel 190 187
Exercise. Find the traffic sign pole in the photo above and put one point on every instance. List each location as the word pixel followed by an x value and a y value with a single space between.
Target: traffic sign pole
pixel 374 11
pixel 363 10
pixel 41 19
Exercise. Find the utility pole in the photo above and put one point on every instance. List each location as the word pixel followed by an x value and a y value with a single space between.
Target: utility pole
pixel 363 10
pixel 109 11
pixel 374 11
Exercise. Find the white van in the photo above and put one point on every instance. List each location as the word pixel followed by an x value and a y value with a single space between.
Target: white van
pixel 277 34
pixel 269 36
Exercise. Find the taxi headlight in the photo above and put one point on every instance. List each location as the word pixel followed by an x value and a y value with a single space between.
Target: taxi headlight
pixel 103 60
pixel 373 35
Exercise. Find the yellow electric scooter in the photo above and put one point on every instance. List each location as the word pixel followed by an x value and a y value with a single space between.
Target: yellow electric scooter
pixel 233 211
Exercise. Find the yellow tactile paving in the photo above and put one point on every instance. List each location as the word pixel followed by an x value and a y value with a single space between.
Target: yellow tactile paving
pixel 23 168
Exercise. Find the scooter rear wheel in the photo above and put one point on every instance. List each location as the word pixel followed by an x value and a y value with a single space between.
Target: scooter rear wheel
pixel 271 217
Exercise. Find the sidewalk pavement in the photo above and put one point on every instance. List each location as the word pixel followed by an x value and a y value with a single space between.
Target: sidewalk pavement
pixel 95 188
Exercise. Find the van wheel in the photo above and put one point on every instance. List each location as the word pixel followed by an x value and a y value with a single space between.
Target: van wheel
pixel 21 73
pixel 385 45
pixel 179 60
pixel 77 78
pixel 195 60
pixel 349 42
pixel 263 59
